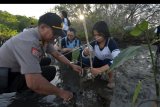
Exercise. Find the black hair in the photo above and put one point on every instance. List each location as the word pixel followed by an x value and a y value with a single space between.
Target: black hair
pixel 158 30
pixel 72 30
pixel 102 28
pixel 64 13
pixel 51 19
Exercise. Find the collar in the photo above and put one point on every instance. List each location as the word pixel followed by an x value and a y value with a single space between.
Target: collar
pixel 38 36
pixel 71 40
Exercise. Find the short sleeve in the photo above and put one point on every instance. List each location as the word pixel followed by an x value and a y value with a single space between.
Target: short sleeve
pixel 50 48
pixel 113 48
pixel 27 54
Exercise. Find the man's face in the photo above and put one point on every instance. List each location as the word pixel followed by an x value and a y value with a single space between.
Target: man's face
pixel 47 33
pixel 70 35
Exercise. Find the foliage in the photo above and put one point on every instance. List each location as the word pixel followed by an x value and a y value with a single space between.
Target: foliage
pixel 117 16
pixel 6 32
pixel 25 22
pixel 143 28
pixel 8 19
pixel 136 92
pixel 140 28
pixel 10 24
pixel 75 54
pixel 123 56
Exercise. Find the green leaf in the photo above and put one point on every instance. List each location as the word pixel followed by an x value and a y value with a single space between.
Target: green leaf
pixel 75 54
pixel 136 92
pixel 135 32
pixel 143 26
pixel 123 56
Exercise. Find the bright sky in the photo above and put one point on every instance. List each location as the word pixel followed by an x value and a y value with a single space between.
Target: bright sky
pixel 28 10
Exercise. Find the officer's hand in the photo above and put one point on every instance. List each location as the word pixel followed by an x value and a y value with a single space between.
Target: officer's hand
pixel 66 95
pixel 67 49
pixel 76 68
pixel 57 47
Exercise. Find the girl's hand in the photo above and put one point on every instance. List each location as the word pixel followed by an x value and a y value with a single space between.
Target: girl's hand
pixel 95 71
pixel 86 51
pixel 67 49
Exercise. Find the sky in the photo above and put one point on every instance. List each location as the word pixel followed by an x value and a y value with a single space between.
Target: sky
pixel 29 10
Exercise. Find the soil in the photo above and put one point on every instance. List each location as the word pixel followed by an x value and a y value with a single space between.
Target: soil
pixel 94 93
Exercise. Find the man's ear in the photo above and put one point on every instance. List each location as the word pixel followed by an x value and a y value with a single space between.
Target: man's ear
pixel 42 26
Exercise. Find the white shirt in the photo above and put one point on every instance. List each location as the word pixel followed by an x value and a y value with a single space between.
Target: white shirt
pixel 65 24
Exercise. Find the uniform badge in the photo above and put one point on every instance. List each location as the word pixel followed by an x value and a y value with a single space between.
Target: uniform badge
pixel 35 52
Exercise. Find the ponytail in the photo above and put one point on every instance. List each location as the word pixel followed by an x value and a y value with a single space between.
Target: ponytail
pixel 69 23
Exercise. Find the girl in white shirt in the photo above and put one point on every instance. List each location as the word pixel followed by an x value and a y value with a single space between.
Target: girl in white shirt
pixel 66 22
pixel 105 49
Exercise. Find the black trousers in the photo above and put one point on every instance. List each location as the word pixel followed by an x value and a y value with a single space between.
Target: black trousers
pixel 17 82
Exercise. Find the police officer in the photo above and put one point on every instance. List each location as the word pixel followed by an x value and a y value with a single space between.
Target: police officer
pixel 20 56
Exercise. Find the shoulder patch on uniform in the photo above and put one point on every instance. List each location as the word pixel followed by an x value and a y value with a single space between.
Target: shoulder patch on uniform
pixel 35 52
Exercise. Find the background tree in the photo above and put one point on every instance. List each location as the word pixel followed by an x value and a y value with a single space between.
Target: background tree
pixel 118 16
pixel 10 24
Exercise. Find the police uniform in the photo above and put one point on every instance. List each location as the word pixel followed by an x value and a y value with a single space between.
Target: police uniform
pixel 23 53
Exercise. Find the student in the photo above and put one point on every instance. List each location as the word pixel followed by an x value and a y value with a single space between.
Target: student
pixel 157 31
pixel 66 22
pixel 105 50
pixel 20 58
pixel 69 43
